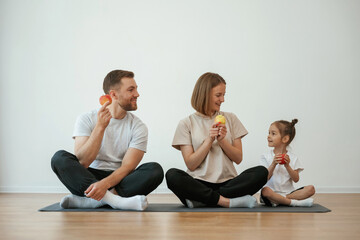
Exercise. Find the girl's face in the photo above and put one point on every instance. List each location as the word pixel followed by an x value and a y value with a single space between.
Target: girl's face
pixel 217 97
pixel 274 137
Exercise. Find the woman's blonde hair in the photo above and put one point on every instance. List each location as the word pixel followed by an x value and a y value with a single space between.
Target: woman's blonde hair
pixel 201 93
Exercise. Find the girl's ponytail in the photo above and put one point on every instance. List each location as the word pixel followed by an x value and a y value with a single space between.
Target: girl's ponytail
pixel 287 128
pixel 293 122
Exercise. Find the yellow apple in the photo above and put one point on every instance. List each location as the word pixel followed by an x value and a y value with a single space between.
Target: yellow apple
pixel 220 119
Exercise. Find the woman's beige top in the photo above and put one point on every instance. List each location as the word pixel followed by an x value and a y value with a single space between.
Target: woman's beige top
pixel 194 129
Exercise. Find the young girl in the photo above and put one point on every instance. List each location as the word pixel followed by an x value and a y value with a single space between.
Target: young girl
pixel 284 168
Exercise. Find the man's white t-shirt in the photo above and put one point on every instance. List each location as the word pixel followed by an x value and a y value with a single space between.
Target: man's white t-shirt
pixel 280 181
pixel 119 136
pixel 194 129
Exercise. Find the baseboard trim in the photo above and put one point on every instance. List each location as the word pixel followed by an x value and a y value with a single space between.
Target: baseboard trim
pixel 159 190
pixel 337 189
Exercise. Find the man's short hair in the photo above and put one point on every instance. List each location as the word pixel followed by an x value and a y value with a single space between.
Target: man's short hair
pixel 114 77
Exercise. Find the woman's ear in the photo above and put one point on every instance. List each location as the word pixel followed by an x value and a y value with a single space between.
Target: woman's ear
pixel 285 139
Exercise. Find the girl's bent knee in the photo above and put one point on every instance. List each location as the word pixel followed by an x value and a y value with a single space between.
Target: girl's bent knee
pixel 266 191
pixel 311 190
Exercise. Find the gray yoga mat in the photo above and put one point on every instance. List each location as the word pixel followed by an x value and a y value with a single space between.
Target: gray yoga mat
pixel 171 207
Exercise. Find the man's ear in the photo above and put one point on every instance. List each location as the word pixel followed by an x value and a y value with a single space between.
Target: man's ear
pixel 285 139
pixel 113 94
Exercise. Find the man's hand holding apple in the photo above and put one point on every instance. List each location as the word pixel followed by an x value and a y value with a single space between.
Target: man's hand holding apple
pixel 104 116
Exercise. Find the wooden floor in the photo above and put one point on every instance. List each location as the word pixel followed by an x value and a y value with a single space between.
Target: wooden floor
pixel 19 219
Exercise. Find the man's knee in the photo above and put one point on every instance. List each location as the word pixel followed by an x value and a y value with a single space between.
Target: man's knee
pixel 155 171
pixel 56 159
pixel 158 172
pixel 59 159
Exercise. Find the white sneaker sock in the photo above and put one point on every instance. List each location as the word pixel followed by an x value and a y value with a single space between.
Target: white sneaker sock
pixel 194 204
pixel 73 201
pixel 244 201
pixel 138 202
pixel 302 203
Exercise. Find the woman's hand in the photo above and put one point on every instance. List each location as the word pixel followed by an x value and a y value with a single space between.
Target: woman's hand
pixel 213 132
pixel 221 132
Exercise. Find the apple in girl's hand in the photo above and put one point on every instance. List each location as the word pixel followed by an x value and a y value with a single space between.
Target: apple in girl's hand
pixel 282 159
pixel 220 119
pixel 105 98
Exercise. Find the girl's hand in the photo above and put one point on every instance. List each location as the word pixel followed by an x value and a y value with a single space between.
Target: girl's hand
pixel 222 132
pixel 277 159
pixel 287 159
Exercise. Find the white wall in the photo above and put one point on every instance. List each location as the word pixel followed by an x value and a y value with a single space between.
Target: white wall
pixel 281 60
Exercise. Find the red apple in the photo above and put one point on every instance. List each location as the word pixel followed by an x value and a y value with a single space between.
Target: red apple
pixel 105 98
pixel 282 159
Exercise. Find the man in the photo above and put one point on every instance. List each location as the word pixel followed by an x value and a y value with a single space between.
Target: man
pixel 109 144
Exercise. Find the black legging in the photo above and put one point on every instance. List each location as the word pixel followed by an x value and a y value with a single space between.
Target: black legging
pixel 143 180
pixel 186 187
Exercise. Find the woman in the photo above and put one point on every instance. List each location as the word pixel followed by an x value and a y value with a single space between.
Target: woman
pixel 209 150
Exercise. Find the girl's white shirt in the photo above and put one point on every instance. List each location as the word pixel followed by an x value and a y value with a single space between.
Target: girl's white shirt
pixel 280 181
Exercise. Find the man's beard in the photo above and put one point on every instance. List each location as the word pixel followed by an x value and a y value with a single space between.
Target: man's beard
pixel 128 106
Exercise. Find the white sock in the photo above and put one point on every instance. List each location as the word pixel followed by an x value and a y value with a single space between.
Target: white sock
pixel 73 201
pixel 194 204
pixel 302 203
pixel 244 201
pixel 138 202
